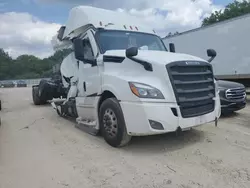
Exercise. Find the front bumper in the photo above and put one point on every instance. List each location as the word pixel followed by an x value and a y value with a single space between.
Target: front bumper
pixel 138 116
pixel 232 106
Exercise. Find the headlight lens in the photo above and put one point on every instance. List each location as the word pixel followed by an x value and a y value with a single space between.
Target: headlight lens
pixel 218 89
pixel 145 91
pixel 221 89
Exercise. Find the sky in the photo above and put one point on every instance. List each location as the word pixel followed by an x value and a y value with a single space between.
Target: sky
pixel 27 26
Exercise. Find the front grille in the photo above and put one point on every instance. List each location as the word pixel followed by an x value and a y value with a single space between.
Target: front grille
pixel 193 85
pixel 236 94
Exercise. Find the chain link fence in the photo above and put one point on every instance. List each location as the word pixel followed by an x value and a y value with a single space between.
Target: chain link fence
pixel 29 82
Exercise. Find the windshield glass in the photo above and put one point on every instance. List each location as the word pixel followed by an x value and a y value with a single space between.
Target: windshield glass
pixel 121 40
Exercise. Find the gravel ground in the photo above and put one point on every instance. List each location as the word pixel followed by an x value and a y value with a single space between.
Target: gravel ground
pixel 38 149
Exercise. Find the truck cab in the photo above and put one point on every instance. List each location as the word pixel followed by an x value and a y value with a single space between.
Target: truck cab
pixel 124 82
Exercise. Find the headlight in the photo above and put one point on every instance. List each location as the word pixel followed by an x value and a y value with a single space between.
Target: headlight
pixel 218 89
pixel 221 88
pixel 145 91
pixel 221 91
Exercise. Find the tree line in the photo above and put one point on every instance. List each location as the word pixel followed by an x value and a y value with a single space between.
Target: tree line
pixel 232 10
pixel 29 66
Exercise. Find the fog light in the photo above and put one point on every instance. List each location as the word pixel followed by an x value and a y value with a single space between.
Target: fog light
pixel 156 125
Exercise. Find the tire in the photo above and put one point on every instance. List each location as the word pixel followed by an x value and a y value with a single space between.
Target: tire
pixel 112 123
pixel 0 105
pixel 42 91
pixel 35 96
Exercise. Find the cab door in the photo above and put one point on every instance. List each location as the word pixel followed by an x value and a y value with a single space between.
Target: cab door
pixel 92 74
pixel 89 84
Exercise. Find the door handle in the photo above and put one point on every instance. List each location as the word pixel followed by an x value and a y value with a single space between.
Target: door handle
pixel 84 86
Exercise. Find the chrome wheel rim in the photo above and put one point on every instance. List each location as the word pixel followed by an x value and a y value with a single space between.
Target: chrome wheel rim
pixel 110 123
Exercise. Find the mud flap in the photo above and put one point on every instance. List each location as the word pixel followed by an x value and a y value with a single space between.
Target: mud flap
pixel 53 105
pixel 56 104
pixel 216 122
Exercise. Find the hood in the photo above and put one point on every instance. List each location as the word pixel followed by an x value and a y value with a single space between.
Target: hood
pixel 229 84
pixel 159 57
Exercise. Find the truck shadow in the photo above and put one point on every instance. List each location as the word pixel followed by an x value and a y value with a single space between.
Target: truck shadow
pixel 229 115
pixel 165 142
pixel 150 145
pixel 41 106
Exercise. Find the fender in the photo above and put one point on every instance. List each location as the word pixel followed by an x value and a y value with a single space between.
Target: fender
pixel 111 88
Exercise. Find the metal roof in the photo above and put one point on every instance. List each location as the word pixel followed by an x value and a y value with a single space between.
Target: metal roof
pixel 209 26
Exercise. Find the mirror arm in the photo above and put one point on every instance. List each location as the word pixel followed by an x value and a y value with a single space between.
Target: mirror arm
pixel 91 62
pixel 211 59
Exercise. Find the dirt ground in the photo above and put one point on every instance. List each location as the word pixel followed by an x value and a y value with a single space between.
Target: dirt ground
pixel 38 149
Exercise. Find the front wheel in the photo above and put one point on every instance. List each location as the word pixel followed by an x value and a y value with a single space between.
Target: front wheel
pixel 112 123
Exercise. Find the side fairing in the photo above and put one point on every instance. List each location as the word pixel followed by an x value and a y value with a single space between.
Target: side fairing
pixel 69 68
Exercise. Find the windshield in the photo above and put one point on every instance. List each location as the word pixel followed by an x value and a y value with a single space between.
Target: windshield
pixel 121 40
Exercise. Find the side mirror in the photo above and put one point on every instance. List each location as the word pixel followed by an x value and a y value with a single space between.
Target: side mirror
pixel 172 47
pixel 60 33
pixel 212 54
pixel 78 49
pixel 131 52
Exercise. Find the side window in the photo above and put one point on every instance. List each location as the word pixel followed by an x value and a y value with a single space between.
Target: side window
pixel 88 52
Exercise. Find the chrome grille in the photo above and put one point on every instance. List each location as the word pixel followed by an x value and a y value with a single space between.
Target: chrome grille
pixel 193 85
pixel 236 93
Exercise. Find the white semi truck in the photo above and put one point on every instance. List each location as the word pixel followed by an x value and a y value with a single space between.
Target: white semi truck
pixel 121 81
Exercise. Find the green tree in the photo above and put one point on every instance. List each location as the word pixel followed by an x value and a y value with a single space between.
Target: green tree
pixel 29 66
pixel 5 64
pixel 232 10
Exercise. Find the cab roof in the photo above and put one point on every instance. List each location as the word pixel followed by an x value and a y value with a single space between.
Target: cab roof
pixel 81 16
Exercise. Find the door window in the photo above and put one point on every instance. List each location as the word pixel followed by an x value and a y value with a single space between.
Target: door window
pixel 88 52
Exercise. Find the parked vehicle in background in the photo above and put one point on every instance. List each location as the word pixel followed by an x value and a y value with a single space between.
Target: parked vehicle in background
pixel 7 84
pixel 232 96
pixel 230 39
pixel 0 110
pixel 21 83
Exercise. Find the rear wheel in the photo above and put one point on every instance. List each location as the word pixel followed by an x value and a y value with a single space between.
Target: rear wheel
pixel 42 91
pixel 35 95
pixel 112 123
